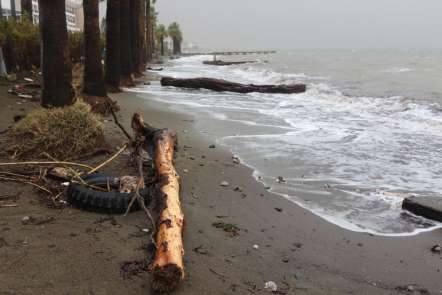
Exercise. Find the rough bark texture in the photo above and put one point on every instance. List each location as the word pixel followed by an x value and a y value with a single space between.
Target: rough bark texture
pixel 142 25
pixel 56 62
pixel 125 44
pixel 148 32
pixel 226 63
pixel 168 267
pixel 136 35
pixel 223 85
pixel 26 9
pixel 113 62
pixel 93 68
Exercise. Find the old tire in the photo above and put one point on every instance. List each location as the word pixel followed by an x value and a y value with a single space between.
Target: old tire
pixel 93 200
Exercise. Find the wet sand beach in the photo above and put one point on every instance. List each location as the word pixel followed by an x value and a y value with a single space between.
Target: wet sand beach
pixel 269 237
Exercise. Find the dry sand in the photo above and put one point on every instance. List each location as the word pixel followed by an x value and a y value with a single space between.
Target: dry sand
pixel 76 252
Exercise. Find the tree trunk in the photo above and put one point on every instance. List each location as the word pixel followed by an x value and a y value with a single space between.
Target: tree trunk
pixel 113 59
pixel 142 30
pixel 3 71
pixel 175 45
pixel 162 45
pixel 56 62
pixel 136 38
pixel 26 9
pixel 13 11
pixel 223 85
pixel 93 68
pixel 152 35
pixel 168 266
pixel 125 43
pixel 1 10
pixel 148 32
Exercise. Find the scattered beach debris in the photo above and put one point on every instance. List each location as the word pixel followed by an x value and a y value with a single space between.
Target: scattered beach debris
pixel 413 289
pixel 201 250
pixel 130 269
pixel 436 249
pixel 229 228
pixel 186 170
pixel 223 85
pixel 212 146
pixel 256 247
pixel 236 160
pixel 280 179
pixel 155 69
pixel 237 189
pixel 31 220
pixel 224 183
pixel 63 133
pixel 278 209
pixel 271 286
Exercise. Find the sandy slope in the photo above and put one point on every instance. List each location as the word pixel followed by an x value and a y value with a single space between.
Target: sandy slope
pixel 81 252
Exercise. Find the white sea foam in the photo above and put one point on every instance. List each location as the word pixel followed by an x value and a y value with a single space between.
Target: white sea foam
pixel 367 148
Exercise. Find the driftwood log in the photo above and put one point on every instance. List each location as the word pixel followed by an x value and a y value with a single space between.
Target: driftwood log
pixel 223 85
pixel 227 63
pixel 167 267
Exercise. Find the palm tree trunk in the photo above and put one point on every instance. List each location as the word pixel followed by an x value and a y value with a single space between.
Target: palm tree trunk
pixel 162 46
pixel 142 24
pixel 13 12
pixel 148 32
pixel 26 9
pixel 135 7
pixel 113 59
pixel 125 43
pixel 56 62
pixel 93 69
pixel 3 71
pixel 1 10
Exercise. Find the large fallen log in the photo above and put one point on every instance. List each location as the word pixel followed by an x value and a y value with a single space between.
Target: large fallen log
pixel 167 267
pixel 428 207
pixel 227 63
pixel 223 85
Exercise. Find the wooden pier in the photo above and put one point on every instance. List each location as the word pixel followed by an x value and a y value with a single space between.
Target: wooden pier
pixel 230 53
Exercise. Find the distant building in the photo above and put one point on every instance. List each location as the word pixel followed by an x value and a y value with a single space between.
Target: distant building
pixel 7 13
pixel 74 14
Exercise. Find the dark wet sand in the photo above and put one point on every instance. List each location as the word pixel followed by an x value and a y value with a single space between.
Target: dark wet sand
pixel 81 252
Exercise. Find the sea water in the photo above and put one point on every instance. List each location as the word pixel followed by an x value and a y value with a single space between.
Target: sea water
pixel 365 135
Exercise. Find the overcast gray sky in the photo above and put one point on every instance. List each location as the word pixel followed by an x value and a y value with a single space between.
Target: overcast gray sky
pixel 291 24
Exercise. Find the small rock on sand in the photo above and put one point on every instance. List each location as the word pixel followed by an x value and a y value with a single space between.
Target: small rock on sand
pixel 271 286
pixel 436 249
pixel 186 171
pixel 236 160
pixel 224 183
pixel 212 146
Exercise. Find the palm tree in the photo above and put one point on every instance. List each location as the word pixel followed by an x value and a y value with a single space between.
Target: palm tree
pixel 113 62
pixel 161 34
pixel 93 68
pixel 125 44
pixel 56 62
pixel 26 9
pixel 1 10
pixel 175 33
